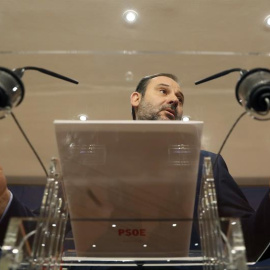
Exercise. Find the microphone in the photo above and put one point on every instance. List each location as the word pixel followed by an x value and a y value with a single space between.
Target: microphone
pixel 252 90
pixel 11 91
pixel 12 88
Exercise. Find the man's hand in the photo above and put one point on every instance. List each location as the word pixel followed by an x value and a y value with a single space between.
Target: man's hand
pixel 4 192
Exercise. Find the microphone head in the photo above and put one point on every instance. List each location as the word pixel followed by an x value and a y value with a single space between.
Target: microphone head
pixel 253 92
pixel 11 91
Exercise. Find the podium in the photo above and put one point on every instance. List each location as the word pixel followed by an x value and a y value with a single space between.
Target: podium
pixel 110 182
pixel 43 242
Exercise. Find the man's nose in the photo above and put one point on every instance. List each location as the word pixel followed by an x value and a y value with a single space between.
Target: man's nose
pixel 174 101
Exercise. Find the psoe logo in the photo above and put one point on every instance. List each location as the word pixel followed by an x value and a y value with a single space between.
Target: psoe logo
pixel 132 232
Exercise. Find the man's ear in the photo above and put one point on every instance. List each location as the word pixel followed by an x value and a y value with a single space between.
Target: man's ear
pixel 135 99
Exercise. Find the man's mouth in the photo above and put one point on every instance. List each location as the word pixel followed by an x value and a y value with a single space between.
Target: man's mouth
pixel 171 113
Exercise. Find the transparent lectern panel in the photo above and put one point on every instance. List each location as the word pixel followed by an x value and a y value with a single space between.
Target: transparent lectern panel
pixel 131 174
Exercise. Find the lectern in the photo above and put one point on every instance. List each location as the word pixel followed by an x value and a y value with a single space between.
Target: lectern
pixel 136 213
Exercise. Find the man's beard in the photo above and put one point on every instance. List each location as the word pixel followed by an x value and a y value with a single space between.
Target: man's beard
pixel 146 111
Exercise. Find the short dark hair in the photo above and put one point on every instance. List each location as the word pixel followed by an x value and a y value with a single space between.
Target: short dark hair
pixel 142 85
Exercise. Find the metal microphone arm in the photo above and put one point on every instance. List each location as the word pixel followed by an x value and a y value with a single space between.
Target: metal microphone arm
pixel 220 74
pixel 20 71
pixel 12 88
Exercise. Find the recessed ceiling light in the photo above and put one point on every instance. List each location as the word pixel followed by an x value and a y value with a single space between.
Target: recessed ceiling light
pixel 186 118
pixel 267 21
pixel 130 16
pixel 82 117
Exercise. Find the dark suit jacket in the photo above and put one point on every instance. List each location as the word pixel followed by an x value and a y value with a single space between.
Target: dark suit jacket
pixel 231 203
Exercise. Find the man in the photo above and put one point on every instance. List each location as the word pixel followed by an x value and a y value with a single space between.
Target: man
pixel 159 97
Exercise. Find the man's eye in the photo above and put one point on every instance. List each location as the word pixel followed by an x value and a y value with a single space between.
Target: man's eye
pixel 163 91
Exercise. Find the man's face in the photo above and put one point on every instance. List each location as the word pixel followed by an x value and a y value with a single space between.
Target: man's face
pixel 163 100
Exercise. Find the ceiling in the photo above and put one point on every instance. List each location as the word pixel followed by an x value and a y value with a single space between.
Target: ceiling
pixel 88 40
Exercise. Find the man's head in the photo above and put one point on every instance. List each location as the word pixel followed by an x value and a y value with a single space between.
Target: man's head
pixel 157 97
